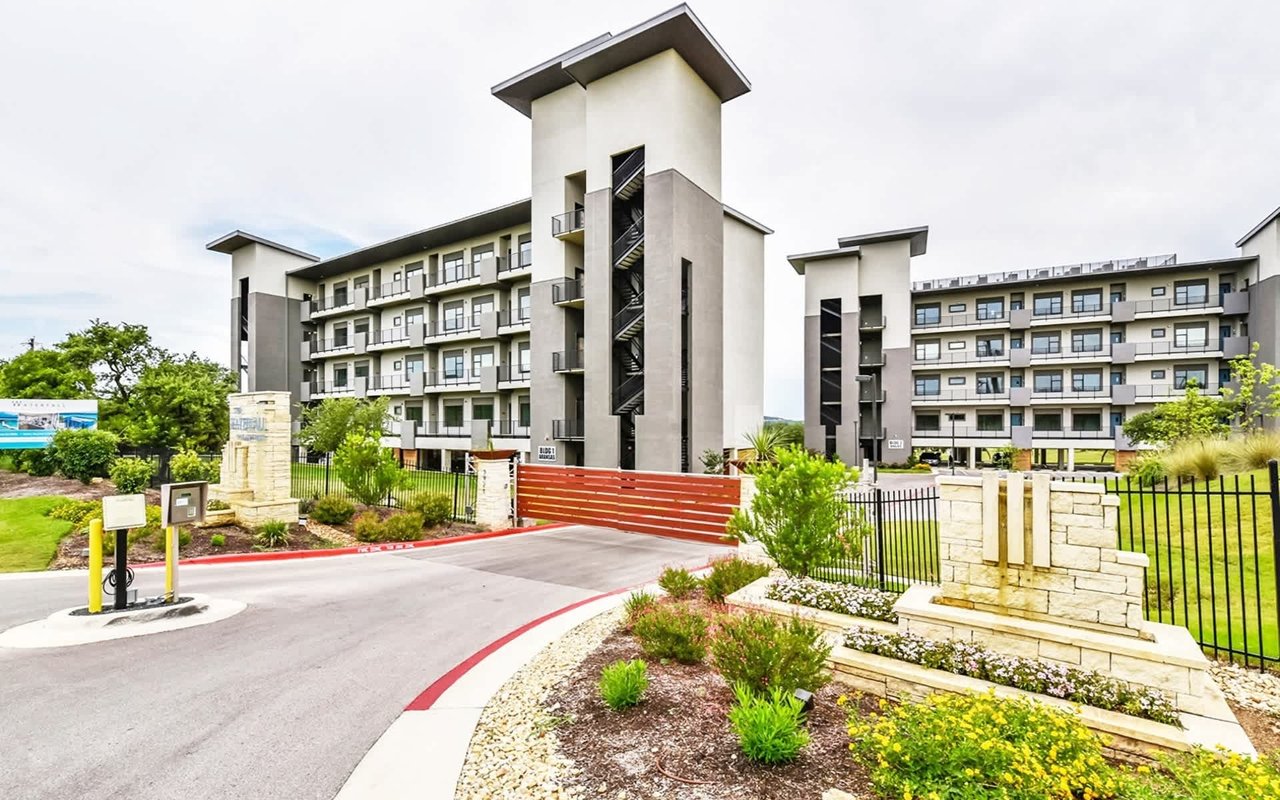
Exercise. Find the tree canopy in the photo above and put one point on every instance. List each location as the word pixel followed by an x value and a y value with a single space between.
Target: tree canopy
pixel 326 425
pixel 180 404
pixel 1193 417
pixel 46 374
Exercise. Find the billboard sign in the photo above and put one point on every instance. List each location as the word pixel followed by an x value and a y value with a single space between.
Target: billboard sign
pixel 30 424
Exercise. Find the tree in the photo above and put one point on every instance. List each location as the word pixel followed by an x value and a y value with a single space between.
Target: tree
pixel 1256 395
pixel 1193 417
pixel 116 354
pixel 796 513
pixel 48 374
pixel 326 425
pixel 366 468
pixel 179 404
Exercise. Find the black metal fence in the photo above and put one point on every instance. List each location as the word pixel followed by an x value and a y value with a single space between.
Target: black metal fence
pixel 312 479
pixel 899 539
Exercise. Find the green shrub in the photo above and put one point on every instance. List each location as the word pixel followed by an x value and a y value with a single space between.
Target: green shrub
pixel 1198 459
pixel 368 527
pixel 132 475
pixel 761 652
pixel 187 465
pixel 436 508
pixel 367 469
pixel 770 728
pixel 1012 749
pixel 77 512
pixel 1205 775
pixel 158 539
pixel 217 505
pixel 672 631
pixel 797 514
pixel 622 683
pixel 636 604
pixel 1147 469
pixel 402 527
pixel 217 540
pixel 272 534
pixel 1252 451
pixel 85 454
pixel 38 463
pixel 678 583
pixel 333 510
pixel 728 575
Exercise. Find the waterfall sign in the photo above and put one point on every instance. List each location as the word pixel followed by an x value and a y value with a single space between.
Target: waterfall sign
pixel 31 424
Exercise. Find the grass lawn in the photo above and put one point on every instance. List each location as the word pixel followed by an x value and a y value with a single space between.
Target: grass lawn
pixel 1095 457
pixel 911 551
pixel 308 480
pixel 29 539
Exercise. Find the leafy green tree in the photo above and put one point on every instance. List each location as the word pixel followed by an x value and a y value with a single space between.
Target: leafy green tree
pixel 116 354
pixel 326 425
pixel 368 469
pixel 1256 395
pixel 44 374
pixel 1193 417
pixel 796 514
pixel 179 403
pixel 85 454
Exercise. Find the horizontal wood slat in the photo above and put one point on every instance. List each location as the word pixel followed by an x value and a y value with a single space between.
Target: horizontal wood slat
pixel 684 506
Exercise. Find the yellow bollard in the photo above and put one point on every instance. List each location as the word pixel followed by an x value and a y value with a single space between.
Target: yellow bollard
pixel 95 566
pixel 171 564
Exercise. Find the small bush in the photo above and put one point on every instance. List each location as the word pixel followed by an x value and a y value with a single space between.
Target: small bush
pixel 85 454
pixel 218 540
pixel 158 539
pixel 622 683
pixel 636 604
pixel 1252 451
pixel 436 508
pixel 728 575
pixel 38 463
pixel 272 534
pixel 368 527
pixel 1148 469
pixel 770 728
pixel 996 748
pixel 1205 775
pixel 761 652
pixel 333 510
pixel 368 470
pixel 403 527
pixel 187 465
pixel 674 632
pixel 1203 459
pixel 678 583
pixel 217 505
pixel 132 475
pixel 77 512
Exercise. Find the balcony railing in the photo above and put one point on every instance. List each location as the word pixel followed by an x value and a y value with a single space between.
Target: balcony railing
pixel 326 345
pixel 568 429
pixel 330 387
pixel 960 357
pixel 514 315
pixel 958 394
pixel 986 318
pixel 567 290
pixel 454 272
pixel 514 373
pixel 1105 432
pixel 1164 305
pixel 454 326
pixel 1172 391
pixel 455 429
pixel 567 361
pixel 450 377
pixel 568 222
pixel 510 428
pixel 515 260
pixel 389 382
pixel 333 301
pixel 390 336
pixel 1101 394
pixel 969 432
pixel 1044 273
pixel 1173 350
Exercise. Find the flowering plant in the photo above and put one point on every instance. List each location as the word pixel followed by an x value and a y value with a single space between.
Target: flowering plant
pixel 841 598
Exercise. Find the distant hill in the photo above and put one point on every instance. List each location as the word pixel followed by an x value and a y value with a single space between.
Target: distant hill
pixel 779 419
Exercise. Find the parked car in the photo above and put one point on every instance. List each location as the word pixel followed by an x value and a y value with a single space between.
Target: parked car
pixel 930 457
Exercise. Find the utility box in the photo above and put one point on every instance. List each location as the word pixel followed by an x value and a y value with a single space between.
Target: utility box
pixel 183 503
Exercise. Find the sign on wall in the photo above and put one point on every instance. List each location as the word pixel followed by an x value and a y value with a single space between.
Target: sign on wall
pixel 547 452
pixel 895 444
pixel 31 424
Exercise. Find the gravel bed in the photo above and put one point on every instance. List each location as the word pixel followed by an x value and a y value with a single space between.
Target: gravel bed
pixel 513 752
pixel 1250 688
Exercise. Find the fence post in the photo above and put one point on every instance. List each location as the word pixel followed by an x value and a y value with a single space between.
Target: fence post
pixel 327 456
pixel 879 510
pixel 1273 486
pixel 455 495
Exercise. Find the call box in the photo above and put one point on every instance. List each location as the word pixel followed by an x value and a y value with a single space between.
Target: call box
pixel 183 503
pixel 123 511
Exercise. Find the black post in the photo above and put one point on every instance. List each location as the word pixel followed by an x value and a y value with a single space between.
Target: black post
pixel 953 444
pixel 326 474
pixel 455 495
pixel 122 571
pixel 879 535
pixel 1273 475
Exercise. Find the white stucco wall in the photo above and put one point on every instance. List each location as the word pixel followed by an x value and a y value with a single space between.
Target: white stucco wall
pixel 559 150
pixel 743 333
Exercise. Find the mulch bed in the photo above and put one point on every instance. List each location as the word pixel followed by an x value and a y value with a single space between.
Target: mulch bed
pixel 19 484
pixel 146 549
pixel 1262 729
pixel 678 742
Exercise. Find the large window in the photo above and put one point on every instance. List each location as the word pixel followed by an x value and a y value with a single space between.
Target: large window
pixel 455 315
pixel 928 351
pixel 928 422
pixel 1043 343
pixel 453 365
pixel 990 308
pixel 1086 421
pixel 1086 380
pixel 413 365
pixel 340 296
pixel 1047 421
pixel 1086 301
pixel 526 413
pixel 452 268
pixel 928 385
pixel 1191 334
pixel 523 359
pixel 991 422
pixel 526 251
pixel 1044 305
pixel 1191 375
pixel 479 307
pixel 453 415
pixel 990 383
pixel 989 346
pixel 482 409
pixel 340 335
pixel 481 357
pixel 928 314
pixel 340 375
pixel 1047 382
pixel 1191 293
pixel 1089 341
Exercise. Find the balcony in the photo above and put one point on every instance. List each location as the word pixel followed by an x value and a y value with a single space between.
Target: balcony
pixel 1000 358
pixel 872 358
pixel 514 319
pixel 945 432
pixel 513 376
pixel 457 328
pixel 336 303
pixel 396 338
pixel 393 383
pixel 871 322
pixel 449 429
pixel 1045 273
pixel 567 292
pixel 1160 393
pixel 960 396
pixel 569 226
pixel 514 264
pixel 567 361
pixel 1152 351
pixel 945 321
pixel 568 430
pixel 509 429
pixel 450 380
pixel 328 347
pixel 316 390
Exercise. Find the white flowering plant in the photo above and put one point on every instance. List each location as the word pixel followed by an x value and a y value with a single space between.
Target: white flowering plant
pixel 842 598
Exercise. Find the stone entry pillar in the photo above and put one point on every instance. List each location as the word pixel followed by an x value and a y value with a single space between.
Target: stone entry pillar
pixel 495 491
pixel 255 479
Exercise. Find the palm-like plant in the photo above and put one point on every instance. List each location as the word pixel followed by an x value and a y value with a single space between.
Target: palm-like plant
pixel 768 440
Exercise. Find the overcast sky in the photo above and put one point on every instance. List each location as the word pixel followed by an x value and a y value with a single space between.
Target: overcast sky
pixel 1024 134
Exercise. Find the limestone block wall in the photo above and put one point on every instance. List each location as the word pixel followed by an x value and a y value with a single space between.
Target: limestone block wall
pixel 494 493
pixel 255 476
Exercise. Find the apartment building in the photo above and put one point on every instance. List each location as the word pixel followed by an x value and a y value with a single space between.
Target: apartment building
pixel 611 319
pixel 1050 360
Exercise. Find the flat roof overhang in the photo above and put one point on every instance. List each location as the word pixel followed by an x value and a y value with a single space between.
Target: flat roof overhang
pixel 918 236
pixel 237 239
pixel 799 260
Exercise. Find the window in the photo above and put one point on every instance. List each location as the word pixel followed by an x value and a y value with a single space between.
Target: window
pixel 413 413
pixel 361 326
pixel 928 314
pixel 526 251
pixel 990 422
pixel 453 415
pixel 361 283
pixel 482 409
pixel 1042 343
pixel 928 385
pixel 1193 334
pixel 340 296
pixel 1015 342
pixel 1157 374
pixel 991 308
pixel 454 315
pixel 453 365
pixel 481 357
pixel 1016 380
pixel 1191 375
pixel 1224 375
pixel 1047 382
pixel 1117 334
pixel 412 271
pixel 928 422
pixel 1086 421
pixel 1117 292
pixel 1015 419
pixel 339 375
pixel 1089 341
pixel 524 304
pixel 479 307
pixel 1191 293
pixel 479 254
pixel 1157 333
pixel 989 346
pixel 1050 421
pixel 1047 304
pixel 1157 291
pixel 1117 378
pixel 958 345
pixel 928 351
pixel 412 366
pixel 523 359
pixel 1015 301
pixel 526 413
pixel 362 369
pixel 1086 380
pixel 990 383
pixel 413 318
pixel 956 308
pixel 340 335
pixel 1086 301
pixel 453 268
pixel 956 381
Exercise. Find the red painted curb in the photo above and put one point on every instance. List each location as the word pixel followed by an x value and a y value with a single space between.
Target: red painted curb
pixel 290 555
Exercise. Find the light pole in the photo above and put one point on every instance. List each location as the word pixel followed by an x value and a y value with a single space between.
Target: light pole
pixel 874 380
pixel 953 443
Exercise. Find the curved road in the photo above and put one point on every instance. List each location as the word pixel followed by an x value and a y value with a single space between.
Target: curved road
pixel 282 700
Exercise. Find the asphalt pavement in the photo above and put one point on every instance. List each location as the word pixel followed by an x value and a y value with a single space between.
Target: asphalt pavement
pixel 282 700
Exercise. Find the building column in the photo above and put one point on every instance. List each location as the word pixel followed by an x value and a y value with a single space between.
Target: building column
pixel 494 486
pixel 1071 459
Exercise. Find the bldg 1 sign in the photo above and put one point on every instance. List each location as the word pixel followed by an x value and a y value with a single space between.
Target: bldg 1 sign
pixel 31 424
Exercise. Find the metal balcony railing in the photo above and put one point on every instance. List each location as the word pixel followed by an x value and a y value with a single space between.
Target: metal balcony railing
pixel 389 382
pixel 567 429
pixel 514 315
pixel 567 361
pixel 568 222
pixel 1043 273
pixel 566 290
pixel 627 244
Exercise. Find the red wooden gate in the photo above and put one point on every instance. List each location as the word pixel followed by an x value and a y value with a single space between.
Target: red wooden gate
pixel 685 506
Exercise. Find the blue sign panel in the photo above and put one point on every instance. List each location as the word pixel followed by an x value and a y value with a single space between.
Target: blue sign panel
pixel 31 424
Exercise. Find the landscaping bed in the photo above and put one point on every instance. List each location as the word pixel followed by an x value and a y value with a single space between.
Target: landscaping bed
pixel 147 549
pixel 20 484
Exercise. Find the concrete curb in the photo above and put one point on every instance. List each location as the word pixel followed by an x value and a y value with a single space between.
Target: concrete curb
pixel 63 629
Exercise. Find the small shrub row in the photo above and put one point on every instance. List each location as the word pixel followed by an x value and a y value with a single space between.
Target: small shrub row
pixel 436 508
pixel 1208 458
pixel 1204 775
pixel 841 598
pixel 77 512
pixel 670 631
pixel 678 583
pixel 402 527
pixel 762 653
pixel 187 465
pixel 1029 674
pixel 636 604
pixel 332 510
pixel 623 683
pixel 728 575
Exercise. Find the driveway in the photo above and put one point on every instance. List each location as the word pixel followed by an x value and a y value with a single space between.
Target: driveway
pixel 282 700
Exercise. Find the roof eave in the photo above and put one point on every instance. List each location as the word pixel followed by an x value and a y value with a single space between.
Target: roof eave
pixel 748 221
pixel 799 260
pixel 1258 228
pixel 918 237
pixel 237 239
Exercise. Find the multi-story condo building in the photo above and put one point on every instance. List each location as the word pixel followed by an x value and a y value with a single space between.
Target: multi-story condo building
pixel 1049 360
pixel 610 320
